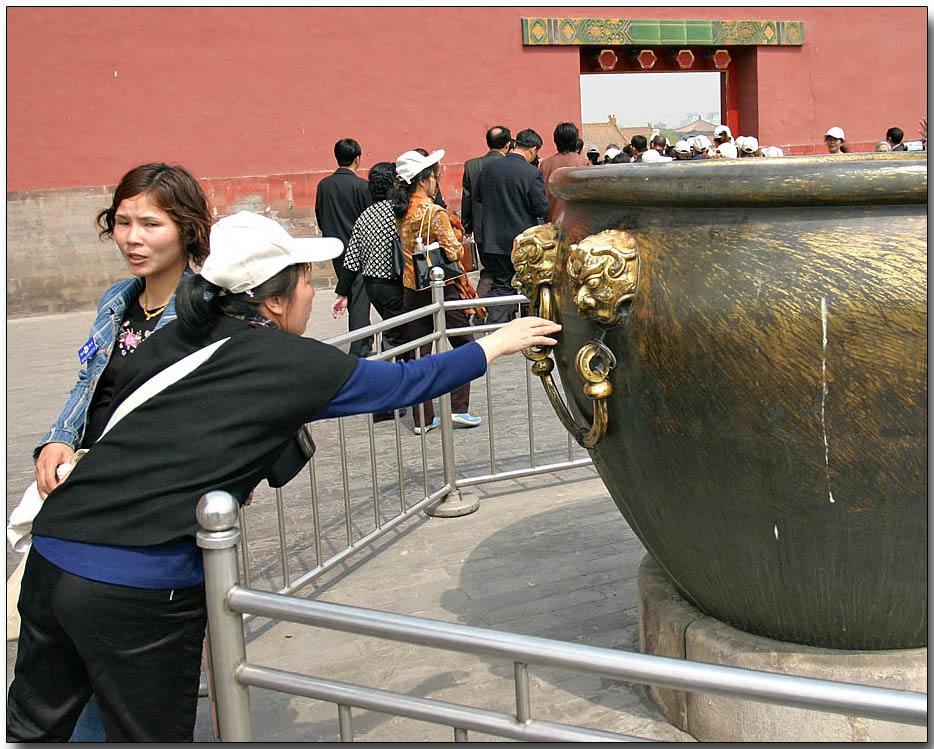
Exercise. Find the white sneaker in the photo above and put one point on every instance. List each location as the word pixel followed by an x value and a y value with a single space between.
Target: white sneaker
pixel 427 428
pixel 465 420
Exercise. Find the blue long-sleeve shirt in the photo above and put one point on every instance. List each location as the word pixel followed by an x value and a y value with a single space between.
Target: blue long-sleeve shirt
pixel 373 386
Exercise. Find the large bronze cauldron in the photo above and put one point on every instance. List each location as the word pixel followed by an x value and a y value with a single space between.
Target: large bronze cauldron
pixel 744 352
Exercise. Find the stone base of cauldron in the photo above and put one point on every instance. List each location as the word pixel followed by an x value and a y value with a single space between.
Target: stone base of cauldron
pixel 670 626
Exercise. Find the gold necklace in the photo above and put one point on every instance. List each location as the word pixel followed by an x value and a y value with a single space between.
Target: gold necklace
pixel 149 314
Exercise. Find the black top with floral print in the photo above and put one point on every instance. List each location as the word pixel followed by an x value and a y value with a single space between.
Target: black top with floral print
pixel 134 329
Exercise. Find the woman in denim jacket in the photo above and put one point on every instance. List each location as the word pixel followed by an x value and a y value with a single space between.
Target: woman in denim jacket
pixel 159 219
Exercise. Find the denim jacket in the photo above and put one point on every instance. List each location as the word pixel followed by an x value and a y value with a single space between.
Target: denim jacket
pixel 69 427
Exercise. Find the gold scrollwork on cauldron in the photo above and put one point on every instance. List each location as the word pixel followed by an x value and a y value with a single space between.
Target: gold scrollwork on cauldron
pixel 605 267
pixel 534 254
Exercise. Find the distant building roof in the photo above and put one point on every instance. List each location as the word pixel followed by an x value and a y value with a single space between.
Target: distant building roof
pixel 698 127
pixel 601 134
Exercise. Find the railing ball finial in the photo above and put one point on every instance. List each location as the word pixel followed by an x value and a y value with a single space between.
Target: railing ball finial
pixel 436 273
pixel 217 511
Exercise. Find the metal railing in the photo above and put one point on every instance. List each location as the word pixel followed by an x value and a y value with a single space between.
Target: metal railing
pixel 442 477
pixel 227 601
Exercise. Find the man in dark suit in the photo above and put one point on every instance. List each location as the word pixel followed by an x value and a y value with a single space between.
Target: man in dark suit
pixel 497 140
pixel 339 201
pixel 512 192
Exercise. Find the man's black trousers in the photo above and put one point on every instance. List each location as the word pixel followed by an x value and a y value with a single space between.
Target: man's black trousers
pixel 499 270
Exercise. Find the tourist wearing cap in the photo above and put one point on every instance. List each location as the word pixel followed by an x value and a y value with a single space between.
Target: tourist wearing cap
pixel 593 155
pixel 417 216
pixel 723 140
pixel 701 146
pixel 835 139
pixel 611 153
pixel 682 151
pixel 749 147
pixel 115 596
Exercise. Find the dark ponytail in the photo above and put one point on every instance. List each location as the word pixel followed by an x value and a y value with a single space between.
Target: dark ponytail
pixel 199 303
pixel 400 196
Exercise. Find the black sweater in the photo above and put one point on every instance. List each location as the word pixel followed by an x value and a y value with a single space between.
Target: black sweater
pixel 219 427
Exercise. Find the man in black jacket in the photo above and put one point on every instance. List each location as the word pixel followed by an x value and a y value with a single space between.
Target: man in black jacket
pixel 497 140
pixel 340 199
pixel 512 192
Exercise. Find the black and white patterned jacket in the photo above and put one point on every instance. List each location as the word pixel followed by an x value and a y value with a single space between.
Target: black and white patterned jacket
pixel 369 250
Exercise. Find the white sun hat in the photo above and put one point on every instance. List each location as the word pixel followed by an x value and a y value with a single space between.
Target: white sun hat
pixel 247 249
pixel 412 163
pixel 835 132
pixel 722 130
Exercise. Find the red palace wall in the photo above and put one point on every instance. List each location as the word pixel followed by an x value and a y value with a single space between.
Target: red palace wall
pixel 253 99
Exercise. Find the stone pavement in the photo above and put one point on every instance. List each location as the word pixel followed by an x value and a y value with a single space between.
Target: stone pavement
pixel 545 555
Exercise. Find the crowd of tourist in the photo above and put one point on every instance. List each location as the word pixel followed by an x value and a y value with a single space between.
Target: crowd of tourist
pixel 723 145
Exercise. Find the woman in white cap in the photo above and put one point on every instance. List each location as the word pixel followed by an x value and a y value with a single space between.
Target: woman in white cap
pixel 114 598
pixel 682 151
pixel 723 138
pixel 749 147
pixel 835 139
pixel 419 218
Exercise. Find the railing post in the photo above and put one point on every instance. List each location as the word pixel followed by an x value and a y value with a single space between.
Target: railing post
pixel 455 503
pixel 217 514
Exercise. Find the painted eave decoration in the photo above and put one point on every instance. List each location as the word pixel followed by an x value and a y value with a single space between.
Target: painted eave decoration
pixel 586 31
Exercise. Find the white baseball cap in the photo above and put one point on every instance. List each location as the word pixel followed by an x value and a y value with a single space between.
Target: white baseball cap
pixel 701 142
pixel 412 163
pixel 727 150
pixel 612 153
pixel 247 249
pixel 750 144
pixel 722 130
pixel 835 132
pixel 682 146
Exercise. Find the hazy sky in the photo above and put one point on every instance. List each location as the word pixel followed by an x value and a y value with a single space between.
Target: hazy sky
pixel 637 98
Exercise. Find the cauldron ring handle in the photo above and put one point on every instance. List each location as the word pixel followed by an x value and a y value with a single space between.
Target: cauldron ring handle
pixel 593 362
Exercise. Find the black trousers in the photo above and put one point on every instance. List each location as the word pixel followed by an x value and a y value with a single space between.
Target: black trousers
pixel 454 318
pixel 485 282
pixel 139 650
pixel 386 298
pixel 500 271
pixel 358 315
